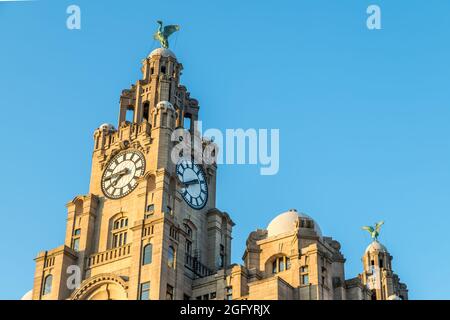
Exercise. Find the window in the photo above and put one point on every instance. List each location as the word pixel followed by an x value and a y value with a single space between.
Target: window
pixel 188 230
pixel 173 233
pixel 147 254
pixel 47 285
pixel 212 295
pixel 381 263
pixel 305 279
pixel 280 264
pixel 150 208
pixel 186 297
pixel 188 247
pixel 119 232
pixel 75 244
pixel 169 292
pixel 76 239
pixel 222 256
pixel 163 69
pixel 171 257
pixel 304 269
pixel 145 291
pixel 229 293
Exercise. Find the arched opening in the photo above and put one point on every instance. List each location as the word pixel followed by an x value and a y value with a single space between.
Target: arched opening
pixel 130 114
pixel 47 288
pixel 147 254
pixel 187 121
pixel 146 111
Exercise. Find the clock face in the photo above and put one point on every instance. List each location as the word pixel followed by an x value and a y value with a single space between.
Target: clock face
pixel 194 187
pixel 122 173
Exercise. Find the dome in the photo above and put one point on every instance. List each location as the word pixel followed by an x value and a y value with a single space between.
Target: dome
pixel 107 127
pixel 375 246
pixel 165 105
pixel 286 222
pixel 163 52
pixel 28 296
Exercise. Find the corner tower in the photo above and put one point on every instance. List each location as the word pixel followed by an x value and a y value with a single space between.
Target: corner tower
pixel 378 275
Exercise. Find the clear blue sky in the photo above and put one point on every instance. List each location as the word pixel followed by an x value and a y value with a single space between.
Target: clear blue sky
pixel 363 117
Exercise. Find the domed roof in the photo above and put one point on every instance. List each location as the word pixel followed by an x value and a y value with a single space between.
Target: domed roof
pixel 375 246
pixel 106 126
pixel 286 222
pixel 162 52
pixel 165 104
pixel 28 296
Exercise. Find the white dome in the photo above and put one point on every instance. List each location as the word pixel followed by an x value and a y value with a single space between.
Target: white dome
pixel 165 105
pixel 162 52
pixel 286 222
pixel 107 127
pixel 375 246
pixel 28 296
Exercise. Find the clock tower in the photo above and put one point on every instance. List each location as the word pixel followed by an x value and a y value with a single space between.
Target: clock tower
pixel 148 226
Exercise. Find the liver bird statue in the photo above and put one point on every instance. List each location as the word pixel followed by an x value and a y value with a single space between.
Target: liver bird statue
pixel 375 230
pixel 163 34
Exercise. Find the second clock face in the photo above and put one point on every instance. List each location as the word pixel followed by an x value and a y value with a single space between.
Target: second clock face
pixel 122 173
pixel 195 188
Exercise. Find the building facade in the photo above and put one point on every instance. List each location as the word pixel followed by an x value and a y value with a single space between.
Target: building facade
pixel 149 227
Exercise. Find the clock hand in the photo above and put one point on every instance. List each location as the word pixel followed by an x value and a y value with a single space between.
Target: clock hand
pixel 119 176
pixel 190 182
pixel 120 173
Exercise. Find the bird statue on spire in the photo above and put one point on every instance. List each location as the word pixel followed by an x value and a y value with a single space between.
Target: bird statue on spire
pixel 374 231
pixel 163 34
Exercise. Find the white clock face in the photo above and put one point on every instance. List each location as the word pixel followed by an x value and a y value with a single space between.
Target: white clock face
pixel 122 173
pixel 194 187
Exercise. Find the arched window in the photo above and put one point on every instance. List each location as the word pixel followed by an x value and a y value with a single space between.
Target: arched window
pixel 281 264
pixel 47 285
pixel 119 232
pixel 147 254
pixel 171 257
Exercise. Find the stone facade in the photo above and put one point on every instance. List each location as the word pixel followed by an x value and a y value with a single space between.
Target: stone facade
pixel 150 244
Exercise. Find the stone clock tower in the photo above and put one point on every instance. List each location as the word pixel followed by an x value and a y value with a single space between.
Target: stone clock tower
pixel 148 226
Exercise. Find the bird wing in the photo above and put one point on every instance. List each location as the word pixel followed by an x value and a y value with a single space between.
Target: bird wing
pixel 168 30
pixel 378 225
pixel 368 228
pixel 156 36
